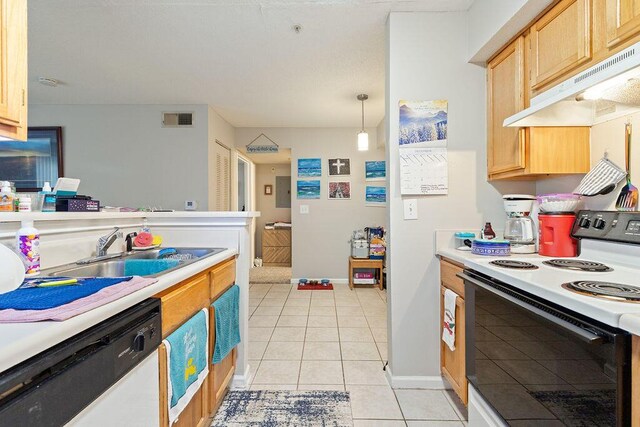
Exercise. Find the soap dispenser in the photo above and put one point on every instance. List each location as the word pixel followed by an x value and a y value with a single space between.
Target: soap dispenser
pixel 28 245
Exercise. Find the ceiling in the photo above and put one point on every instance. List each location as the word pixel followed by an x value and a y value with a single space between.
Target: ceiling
pixel 242 57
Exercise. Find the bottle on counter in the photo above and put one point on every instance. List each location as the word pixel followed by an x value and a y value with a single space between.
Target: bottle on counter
pixel 48 198
pixel 25 204
pixel 487 232
pixel 145 226
pixel 6 197
pixel 28 244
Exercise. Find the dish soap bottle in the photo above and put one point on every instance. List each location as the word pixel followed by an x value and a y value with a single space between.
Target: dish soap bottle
pixel 48 198
pixel 6 197
pixel 28 244
pixel 488 232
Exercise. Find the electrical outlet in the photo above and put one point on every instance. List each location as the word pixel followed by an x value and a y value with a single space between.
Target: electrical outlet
pixel 410 208
pixel 304 209
pixel 190 205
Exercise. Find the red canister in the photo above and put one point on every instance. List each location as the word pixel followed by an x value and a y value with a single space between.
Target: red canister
pixel 555 235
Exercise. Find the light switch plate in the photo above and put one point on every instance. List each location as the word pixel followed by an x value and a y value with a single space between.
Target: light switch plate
pixel 304 209
pixel 190 205
pixel 410 208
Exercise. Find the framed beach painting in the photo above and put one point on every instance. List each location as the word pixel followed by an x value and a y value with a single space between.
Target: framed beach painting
pixel 308 189
pixel 375 196
pixel 29 164
pixel 309 167
pixel 375 171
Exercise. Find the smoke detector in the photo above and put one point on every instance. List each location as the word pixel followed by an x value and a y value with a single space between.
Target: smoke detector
pixel 47 81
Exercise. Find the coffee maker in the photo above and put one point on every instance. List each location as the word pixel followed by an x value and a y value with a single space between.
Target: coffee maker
pixel 519 228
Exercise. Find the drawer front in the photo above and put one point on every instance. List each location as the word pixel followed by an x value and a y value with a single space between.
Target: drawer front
pixel 222 277
pixel 276 254
pixel 449 279
pixel 276 238
pixel 182 301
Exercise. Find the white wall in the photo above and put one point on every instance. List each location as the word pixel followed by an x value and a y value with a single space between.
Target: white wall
pixel 320 247
pixel 125 157
pixel 426 55
pixel 492 23
pixel 266 175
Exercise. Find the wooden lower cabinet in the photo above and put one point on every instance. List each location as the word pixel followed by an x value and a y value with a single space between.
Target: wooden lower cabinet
pixel 179 304
pixel 452 363
pixel 195 414
pixel 276 247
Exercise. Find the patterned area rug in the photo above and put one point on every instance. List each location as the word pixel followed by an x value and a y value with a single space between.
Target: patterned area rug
pixel 580 408
pixel 264 408
pixel 270 275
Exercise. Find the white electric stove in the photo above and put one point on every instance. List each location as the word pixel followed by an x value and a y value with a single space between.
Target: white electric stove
pixel 543 343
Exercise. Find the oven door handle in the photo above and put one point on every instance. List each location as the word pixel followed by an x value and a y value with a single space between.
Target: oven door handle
pixel 581 333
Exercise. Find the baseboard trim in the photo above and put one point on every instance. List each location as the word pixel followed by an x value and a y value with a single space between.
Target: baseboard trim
pixel 242 381
pixel 421 382
pixel 334 281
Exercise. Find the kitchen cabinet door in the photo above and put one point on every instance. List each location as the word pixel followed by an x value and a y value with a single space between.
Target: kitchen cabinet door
pixel 452 363
pixel 506 96
pixel 13 69
pixel 560 41
pixel 623 20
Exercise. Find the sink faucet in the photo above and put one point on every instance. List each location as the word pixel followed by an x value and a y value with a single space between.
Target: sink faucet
pixel 105 242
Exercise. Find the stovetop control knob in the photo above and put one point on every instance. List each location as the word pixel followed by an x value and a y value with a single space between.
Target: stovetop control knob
pixel 584 222
pixel 599 223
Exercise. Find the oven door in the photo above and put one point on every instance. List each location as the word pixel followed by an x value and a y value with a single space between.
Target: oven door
pixel 536 363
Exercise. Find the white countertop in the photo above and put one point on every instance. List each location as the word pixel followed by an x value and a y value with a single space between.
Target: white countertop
pixel 65 216
pixel 20 341
pixel 546 282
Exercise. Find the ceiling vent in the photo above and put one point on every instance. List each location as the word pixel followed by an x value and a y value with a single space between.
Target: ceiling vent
pixel 177 120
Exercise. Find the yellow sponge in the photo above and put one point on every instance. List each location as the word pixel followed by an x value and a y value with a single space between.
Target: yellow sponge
pixel 157 240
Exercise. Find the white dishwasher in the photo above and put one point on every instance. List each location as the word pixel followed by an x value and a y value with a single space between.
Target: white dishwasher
pixel 106 375
pixel 133 401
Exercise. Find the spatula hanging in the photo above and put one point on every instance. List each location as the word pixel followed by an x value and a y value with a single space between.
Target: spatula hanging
pixel 628 198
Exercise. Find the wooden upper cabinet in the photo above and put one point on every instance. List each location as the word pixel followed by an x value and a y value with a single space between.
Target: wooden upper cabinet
pixel 623 20
pixel 560 41
pixel 506 96
pixel 13 69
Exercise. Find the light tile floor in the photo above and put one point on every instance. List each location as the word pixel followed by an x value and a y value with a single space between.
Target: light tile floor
pixel 336 340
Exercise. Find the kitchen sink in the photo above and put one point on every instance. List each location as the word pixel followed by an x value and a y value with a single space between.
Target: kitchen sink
pixel 151 263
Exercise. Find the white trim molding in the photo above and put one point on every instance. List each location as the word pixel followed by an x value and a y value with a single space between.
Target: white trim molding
pixel 435 382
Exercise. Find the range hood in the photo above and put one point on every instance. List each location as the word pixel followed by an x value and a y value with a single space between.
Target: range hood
pixel 603 92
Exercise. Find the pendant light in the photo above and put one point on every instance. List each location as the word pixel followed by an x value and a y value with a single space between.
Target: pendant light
pixel 363 136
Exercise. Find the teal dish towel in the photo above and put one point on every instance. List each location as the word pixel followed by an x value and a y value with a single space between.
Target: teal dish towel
pixel 148 267
pixel 187 362
pixel 227 318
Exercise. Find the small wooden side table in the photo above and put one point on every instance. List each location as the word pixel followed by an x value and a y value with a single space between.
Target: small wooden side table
pixel 356 263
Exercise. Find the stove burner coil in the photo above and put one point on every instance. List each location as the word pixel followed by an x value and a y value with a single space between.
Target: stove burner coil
pixel 607 290
pixel 518 265
pixel 579 265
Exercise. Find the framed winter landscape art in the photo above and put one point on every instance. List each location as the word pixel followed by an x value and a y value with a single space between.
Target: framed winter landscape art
pixel 423 123
pixel 339 190
pixel 339 167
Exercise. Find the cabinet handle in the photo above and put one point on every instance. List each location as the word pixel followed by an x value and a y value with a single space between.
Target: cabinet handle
pixel 23 97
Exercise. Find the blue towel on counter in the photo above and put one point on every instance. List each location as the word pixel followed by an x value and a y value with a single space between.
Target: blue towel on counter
pixel 227 318
pixel 147 267
pixel 186 361
pixel 46 298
